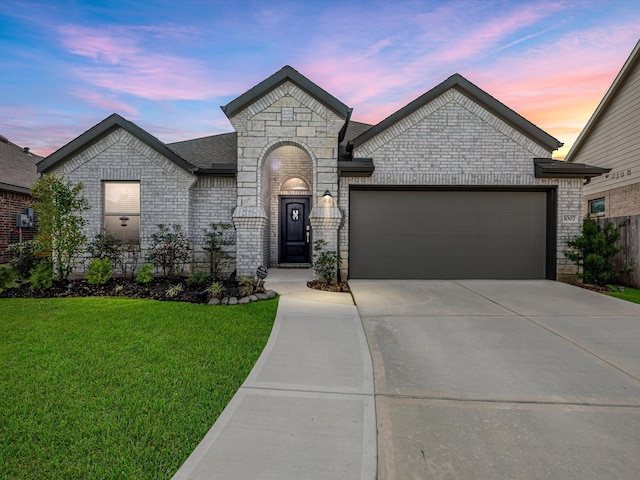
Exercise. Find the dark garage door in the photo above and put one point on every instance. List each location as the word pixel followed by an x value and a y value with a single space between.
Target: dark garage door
pixel 448 234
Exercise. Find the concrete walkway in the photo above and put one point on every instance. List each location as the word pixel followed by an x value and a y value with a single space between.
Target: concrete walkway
pixel 307 409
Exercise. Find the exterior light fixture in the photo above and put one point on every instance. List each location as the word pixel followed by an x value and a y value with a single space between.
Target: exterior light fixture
pixel 327 193
pixel 124 221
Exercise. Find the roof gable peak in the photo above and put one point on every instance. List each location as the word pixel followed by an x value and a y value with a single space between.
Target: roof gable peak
pixel 286 73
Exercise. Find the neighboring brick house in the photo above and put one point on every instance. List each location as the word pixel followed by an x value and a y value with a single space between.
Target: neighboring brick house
pixel 17 174
pixel 453 185
pixel 611 139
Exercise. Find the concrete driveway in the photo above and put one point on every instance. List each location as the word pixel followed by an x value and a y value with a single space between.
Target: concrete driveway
pixel 502 380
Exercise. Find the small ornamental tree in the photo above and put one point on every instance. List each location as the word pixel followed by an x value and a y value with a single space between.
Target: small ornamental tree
pixel 60 205
pixel 325 262
pixel 216 242
pixel 594 250
pixel 169 249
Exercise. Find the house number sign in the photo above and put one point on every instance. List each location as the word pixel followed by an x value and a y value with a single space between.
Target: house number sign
pixel 295 214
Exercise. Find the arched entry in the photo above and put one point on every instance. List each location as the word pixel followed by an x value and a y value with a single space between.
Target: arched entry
pixel 287 177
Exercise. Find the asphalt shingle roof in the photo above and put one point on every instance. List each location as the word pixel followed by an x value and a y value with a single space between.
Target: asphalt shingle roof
pixel 208 151
pixel 17 167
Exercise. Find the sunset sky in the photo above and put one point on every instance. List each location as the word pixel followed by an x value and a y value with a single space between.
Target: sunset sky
pixel 168 65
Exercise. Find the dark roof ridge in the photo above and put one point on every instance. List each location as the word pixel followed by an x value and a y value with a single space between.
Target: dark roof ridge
pixel 285 73
pixel 100 130
pixel 463 85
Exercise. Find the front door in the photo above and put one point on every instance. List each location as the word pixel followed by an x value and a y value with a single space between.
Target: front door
pixel 294 230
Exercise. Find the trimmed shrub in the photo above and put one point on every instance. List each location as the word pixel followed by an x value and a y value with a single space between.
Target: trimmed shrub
pixel 99 271
pixel 42 276
pixel 145 275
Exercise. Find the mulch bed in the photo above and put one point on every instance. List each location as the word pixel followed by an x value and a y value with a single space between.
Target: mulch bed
pixel 329 287
pixel 122 287
pixel 594 288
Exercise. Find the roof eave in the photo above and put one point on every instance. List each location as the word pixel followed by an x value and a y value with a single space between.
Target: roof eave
pixel 101 130
pixel 14 188
pixel 275 80
pixel 467 88
pixel 549 168
pixel 358 167
pixel 219 170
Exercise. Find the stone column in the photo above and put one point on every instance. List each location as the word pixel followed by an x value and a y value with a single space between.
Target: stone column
pixel 250 224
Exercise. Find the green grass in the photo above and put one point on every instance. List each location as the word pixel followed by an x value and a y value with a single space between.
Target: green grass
pixel 629 294
pixel 116 388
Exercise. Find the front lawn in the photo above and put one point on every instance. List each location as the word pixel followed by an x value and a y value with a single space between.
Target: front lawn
pixel 117 388
pixel 629 294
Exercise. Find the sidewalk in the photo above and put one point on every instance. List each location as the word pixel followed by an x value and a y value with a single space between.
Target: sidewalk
pixel 307 409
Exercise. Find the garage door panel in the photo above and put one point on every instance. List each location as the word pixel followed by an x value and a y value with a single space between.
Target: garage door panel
pixel 448 235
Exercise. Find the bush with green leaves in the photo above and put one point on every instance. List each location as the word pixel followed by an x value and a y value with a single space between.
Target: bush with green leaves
pixel 105 245
pixel 325 262
pixel 60 206
pixel 594 250
pixel 174 290
pixel 99 271
pixel 145 274
pixel 169 249
pixel 199 279
pixel 247 286
pixel 217 240
pixel 42 276
pixel 7 276
pixel 23 258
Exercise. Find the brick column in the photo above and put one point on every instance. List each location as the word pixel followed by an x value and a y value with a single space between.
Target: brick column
pixel 250 224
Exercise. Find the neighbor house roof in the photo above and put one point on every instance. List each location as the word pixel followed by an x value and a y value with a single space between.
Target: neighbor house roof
pixel 286 73
pixel 631 63
pixel 17 167
pixel 478 95
pixel 104 128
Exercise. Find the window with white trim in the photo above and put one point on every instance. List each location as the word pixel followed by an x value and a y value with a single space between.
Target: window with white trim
pixel 122 210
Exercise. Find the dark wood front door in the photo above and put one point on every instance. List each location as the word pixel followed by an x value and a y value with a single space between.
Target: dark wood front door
pixel 294 230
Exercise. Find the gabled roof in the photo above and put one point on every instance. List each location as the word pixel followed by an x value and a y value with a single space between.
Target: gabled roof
pixel 478 95
pixel 275 80
pixel 103 129
pixel 632 62
pixel 17 167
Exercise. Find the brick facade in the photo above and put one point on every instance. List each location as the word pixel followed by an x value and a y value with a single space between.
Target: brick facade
pixel 11 205
pixel 618 202
pixel 453 141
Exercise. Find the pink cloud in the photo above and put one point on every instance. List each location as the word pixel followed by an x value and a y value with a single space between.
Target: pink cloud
pixel 122 65
pixel 107 103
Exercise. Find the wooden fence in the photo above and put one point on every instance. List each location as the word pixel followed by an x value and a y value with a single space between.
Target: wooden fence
pixel 628 261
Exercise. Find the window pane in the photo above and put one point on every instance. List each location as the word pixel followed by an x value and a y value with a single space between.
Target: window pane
pixel 112 226
pixel 122 198
pixel 596 206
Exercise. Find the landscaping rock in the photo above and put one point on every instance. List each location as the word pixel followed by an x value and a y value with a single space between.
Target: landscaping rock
pixel 225 301
pixel 262 296
pixel 244 300
pixel 271 294
pixel 214 301
pixel 253 298
pixel 233 301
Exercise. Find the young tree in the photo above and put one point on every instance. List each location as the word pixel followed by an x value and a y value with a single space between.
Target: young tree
pixel 60 205
pixel 594 249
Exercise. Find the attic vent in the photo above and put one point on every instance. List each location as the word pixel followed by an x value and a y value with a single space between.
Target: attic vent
pixel 4 139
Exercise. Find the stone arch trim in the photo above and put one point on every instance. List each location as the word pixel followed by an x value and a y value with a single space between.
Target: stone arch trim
pixel 270 148
pixel 308 191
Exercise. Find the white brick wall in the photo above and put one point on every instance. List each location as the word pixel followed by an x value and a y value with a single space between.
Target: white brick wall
pixel 453 141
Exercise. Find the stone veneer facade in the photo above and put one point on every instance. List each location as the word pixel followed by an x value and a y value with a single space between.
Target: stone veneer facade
pixel 287 116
